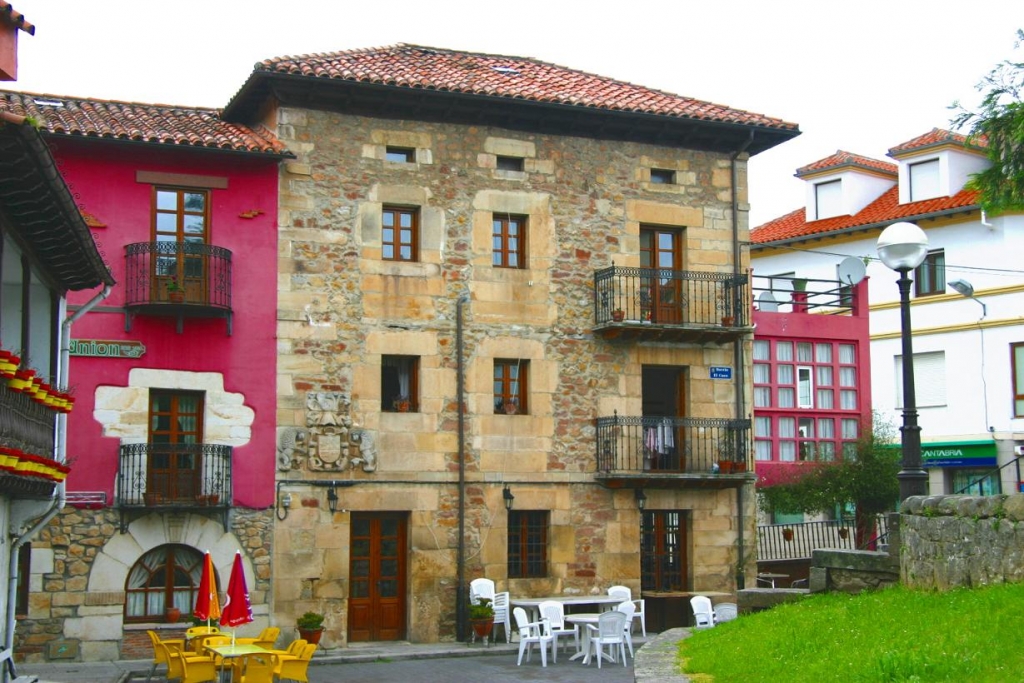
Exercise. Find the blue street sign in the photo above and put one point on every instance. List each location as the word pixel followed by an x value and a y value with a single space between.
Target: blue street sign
pixel 721 372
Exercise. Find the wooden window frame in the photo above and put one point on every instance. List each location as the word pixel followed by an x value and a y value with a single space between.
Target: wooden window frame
pixel 508 250
pixel 930 276
pixel 528 544
pixel 390 397
pixel 167 467
pixel 511 385
pixel 396 242
pixel 179 561
pixel 1017 378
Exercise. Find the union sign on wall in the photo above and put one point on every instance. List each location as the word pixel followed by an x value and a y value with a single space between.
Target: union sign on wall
pixel 107 348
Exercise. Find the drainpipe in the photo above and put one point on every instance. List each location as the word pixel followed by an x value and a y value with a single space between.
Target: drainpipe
pixel 737 354
pixel 60 455
pixel 460 388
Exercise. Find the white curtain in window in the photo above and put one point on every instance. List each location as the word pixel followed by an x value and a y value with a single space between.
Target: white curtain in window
pixel 825 399
pixel 824 376
pixel 784 374
pixel 783 350
pixel 762 373
pixel 787 398
pixel 848 399
pixel 846 354
pixel 823 353
pixel 803 352
pixel 761 350
pixel 762 397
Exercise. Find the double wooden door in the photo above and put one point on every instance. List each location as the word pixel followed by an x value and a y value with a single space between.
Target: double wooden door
pixel 377 566
pixel 662 296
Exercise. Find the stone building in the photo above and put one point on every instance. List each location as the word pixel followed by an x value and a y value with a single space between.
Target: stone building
pixel 513 336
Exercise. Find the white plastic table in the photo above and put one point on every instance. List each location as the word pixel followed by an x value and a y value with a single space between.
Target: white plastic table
pixel 583 619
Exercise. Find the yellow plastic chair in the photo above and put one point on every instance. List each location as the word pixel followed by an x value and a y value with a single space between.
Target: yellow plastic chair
pixel 266 639
pixel 293 650
pixel 160 653
pixel 296 669
pixel 200 631
pixel 199 643
pixel 257 668
pixel 179 661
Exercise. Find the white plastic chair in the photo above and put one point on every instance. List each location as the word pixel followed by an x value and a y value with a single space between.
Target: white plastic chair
pixel 502 615
pixel 628 608
pixel 623 593
pixel 611 631
pixel 480 588
pixel 531 632
pixel 554 612
pixel 725 611
pixel 703 615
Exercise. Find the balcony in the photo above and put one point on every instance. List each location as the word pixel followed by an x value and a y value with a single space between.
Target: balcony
pixel 672 452
pixel 161 476
pixel 177 279
pixel 654 304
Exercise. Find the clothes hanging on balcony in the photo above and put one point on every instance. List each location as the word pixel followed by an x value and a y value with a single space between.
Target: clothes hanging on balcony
pixel 660 438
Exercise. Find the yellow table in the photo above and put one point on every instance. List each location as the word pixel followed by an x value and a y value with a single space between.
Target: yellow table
pixel 229 651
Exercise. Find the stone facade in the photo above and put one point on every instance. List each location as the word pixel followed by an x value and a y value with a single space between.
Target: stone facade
pixel 342 308
pixel 961 541
pixel 77 581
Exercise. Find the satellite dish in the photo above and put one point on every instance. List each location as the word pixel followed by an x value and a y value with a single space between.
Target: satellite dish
pixel 766 302
pixel 851 270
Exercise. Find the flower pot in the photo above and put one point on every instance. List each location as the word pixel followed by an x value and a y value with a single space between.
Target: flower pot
pixel 511 408
pixel 173 614
pixel 176 296
pixel 618 315
pixel 482 627
pixel 402 406
pixel 728 320
pixel 787 534
pixel 844 532
pixel 725 466
pixel 311 636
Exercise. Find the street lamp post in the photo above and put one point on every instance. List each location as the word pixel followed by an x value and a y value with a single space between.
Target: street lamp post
pixel 903 247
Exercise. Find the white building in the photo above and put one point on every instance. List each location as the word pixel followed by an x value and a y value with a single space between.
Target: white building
pixel 968 354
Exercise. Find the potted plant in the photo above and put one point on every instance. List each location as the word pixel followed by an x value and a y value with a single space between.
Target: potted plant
pixel 618 315
pixel 481 617
pixel 173 614
pixel 311 627
pixel 511 407
pixel 787 534
pixel 402 404
pixel 174 291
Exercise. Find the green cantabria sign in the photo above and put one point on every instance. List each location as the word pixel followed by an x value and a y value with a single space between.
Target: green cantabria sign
pixel 959 454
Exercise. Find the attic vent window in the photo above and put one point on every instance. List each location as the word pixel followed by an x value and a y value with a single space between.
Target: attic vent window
pixel 509 163
pixel 406 155
pixel 48 103
pixel 505 69
pixel 663 176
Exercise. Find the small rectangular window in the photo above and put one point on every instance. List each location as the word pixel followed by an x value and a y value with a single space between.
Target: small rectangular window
pixel 405 155
pixel 509 163
pixel 828 199
pixel 1017 361
pixel 930 276
pixel 924 180
pixel 662 176
pixel 399 384
pixel 399 234
pixel 510 386
pixel 527 544
pixel 508 241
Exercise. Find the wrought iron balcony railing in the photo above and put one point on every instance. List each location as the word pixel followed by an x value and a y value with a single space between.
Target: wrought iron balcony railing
pixel 25 424
pixel 180 475
pixel 183 279
pixel 667 445
pixel 797 541
pixel 636 296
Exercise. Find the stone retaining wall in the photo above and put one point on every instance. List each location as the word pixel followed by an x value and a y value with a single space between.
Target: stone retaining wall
pixel 953 541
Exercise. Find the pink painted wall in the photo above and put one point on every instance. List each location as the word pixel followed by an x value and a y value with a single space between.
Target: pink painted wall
pixel 802 326
pixel 101 176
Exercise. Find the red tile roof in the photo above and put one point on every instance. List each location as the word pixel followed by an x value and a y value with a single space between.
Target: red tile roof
pixel 17 19
pixel 937 137
pixel 132 121
pixel 886 209
pixel 843 159
pixel 521 78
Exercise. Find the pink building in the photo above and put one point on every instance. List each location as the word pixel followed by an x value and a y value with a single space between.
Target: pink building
pixel 172 440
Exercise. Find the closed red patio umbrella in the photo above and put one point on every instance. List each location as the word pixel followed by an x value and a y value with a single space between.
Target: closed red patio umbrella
pixel 207 602
pixel 236 610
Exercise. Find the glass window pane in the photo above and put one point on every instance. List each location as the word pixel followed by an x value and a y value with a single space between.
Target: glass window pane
pixel 166 201
pixel 194 201
pixel 846 354
pixel 847 377
pixel 761 349
pixel 826 451
pixel 166 222
pixel 826 428
pixel 823 353
pixel 824 376
pixel 803 352
pixel 787 427
pixel 787 398
pixel 849 428
pixel 762 426
pixel 762 397
pixel 784 374
pixel 825 399
pixel 848 400
pixel 762 450
pixel 784 351
pixel 787 451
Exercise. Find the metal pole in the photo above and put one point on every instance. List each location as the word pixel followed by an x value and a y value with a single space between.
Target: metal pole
pixel 460 560
pixel 913 479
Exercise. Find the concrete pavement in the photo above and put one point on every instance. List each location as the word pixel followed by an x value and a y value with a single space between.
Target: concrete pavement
pixel 413 663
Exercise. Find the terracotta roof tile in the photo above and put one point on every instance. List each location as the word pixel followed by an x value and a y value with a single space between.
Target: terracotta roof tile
pixel 937 137
pixel 137 122
pixel 883 210
pixel 843 159
pixel 414 66
pixel 15 18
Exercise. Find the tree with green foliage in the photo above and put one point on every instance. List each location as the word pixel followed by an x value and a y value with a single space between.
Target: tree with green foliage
pixel 999 124
pixel 867 480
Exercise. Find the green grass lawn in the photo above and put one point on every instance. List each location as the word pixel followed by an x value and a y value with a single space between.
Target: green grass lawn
pixel 891 635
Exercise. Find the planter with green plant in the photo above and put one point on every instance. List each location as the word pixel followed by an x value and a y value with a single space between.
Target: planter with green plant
pixel 310 626
pixel 481 617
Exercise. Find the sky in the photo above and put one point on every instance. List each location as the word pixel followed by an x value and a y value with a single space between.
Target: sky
pixel 859 76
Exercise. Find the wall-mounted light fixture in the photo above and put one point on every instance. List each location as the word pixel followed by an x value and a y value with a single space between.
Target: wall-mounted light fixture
pixel 641 499
pixel 965 288
pixel 332 498
pixel 506 494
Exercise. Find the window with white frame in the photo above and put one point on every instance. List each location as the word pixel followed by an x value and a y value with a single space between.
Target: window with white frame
pixel 805 387
pixel 929 379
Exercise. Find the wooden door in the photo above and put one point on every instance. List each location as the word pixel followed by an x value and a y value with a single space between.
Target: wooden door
pixel 181 231
pixel 377 557
pixel 661 248
pixel 666 442
pixel 175 433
